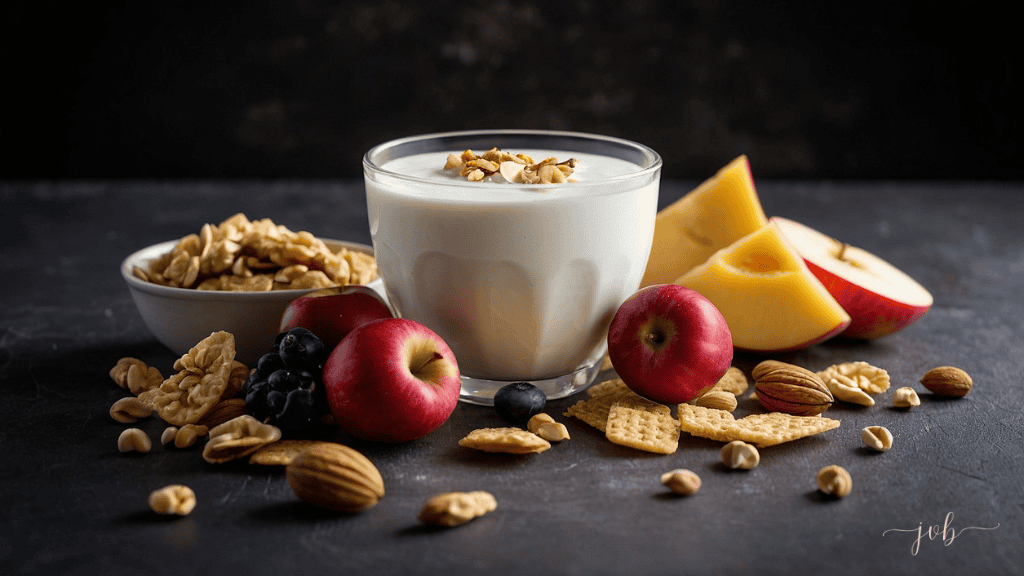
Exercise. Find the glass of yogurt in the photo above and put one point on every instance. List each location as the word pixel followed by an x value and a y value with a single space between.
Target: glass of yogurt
pixel 520 279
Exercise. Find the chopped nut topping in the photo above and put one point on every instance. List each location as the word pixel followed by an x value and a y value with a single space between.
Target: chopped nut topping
pixel 499 166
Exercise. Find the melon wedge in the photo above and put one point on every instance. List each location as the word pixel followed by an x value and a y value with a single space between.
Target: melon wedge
pixel 770 299
pixel 723 209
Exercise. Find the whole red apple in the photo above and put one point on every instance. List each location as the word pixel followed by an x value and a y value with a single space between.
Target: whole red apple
pixel 391 380
pixel 332 313
pixel 669 344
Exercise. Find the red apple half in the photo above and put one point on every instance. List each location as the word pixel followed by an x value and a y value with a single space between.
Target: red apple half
pixel 669 343
pixel 391 380
pixel 879 297
pixel 332 313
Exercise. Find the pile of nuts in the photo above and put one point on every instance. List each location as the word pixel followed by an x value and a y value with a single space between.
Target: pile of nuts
pixel 239 255
pixel 513 168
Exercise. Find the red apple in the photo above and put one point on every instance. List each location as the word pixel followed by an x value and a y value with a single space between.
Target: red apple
pixel 669 344
pixel 332 313
pixel 879 297
pixel 391 380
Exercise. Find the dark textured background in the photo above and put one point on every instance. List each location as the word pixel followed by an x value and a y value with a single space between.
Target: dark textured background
pixel 301 88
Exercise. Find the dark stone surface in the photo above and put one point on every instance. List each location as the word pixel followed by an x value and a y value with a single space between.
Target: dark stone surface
pixel 73 505
pixel 302 88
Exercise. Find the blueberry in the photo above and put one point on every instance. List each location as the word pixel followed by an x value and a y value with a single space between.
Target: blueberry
pixel 518 402
pixel 269 363
pixel 298 412
pixel 283 380
pixel 300 348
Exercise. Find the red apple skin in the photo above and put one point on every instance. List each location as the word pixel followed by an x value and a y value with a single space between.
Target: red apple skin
pixel 391 380
pixel 332 313
pixel 871 315
pixel 669 343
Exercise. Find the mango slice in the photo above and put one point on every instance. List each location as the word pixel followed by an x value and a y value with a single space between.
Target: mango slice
pixel 723 209
pixel 770 299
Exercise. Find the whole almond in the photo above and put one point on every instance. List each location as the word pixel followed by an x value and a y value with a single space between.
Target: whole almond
pixel 948 381
pixel 717 400
pixel 766 366
pixel 336 477
pixel 793 390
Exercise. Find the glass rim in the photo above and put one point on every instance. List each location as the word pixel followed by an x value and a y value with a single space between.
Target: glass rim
pixel 646 151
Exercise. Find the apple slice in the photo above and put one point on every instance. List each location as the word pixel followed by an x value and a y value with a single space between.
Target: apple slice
pixel 723 209
pixel 879 297
pixel 770 299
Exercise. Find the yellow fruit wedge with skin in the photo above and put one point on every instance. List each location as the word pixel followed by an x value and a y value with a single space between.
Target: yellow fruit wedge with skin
pixel 769 298
pixel 723 209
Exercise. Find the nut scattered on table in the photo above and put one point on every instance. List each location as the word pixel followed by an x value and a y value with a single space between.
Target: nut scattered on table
pixel 134 375
pixel 835 481
pixel 455 508
pixel 184 437
pixel 717 400
pixel 238 438
pixel 791 389
pixel 544 425
pixel 739 455
pixel 129 409
pixel 905 397
pixel 681 481
pixel 871 379
pixel 877 438
pixel 174 499
pixel 335 477
pixel 948 381
pixel 845 389
pixel 134 440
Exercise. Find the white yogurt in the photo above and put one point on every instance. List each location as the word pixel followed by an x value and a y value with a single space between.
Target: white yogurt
pixel 520 280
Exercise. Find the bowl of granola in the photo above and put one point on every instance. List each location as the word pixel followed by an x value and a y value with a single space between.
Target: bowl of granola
pixel 237 276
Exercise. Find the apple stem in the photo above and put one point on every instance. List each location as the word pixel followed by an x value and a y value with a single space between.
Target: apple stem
pixel 432 358
pixel 842 251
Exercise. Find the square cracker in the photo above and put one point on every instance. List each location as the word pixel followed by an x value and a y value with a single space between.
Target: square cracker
pixel 595 410
pixel 644 425
pixel 759 429
pixel 507 440
pixel 733 381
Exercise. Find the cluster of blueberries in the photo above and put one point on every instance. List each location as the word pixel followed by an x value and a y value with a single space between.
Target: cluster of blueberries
pixel 286 389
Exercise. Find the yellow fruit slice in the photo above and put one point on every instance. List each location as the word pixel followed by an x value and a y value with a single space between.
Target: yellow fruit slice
pixel 770 299
pixel 712 216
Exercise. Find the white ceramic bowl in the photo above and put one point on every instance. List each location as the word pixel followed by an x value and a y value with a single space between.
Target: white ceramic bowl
pixel 182 317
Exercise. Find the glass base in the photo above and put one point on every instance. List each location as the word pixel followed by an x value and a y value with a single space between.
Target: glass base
pixel 480 391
